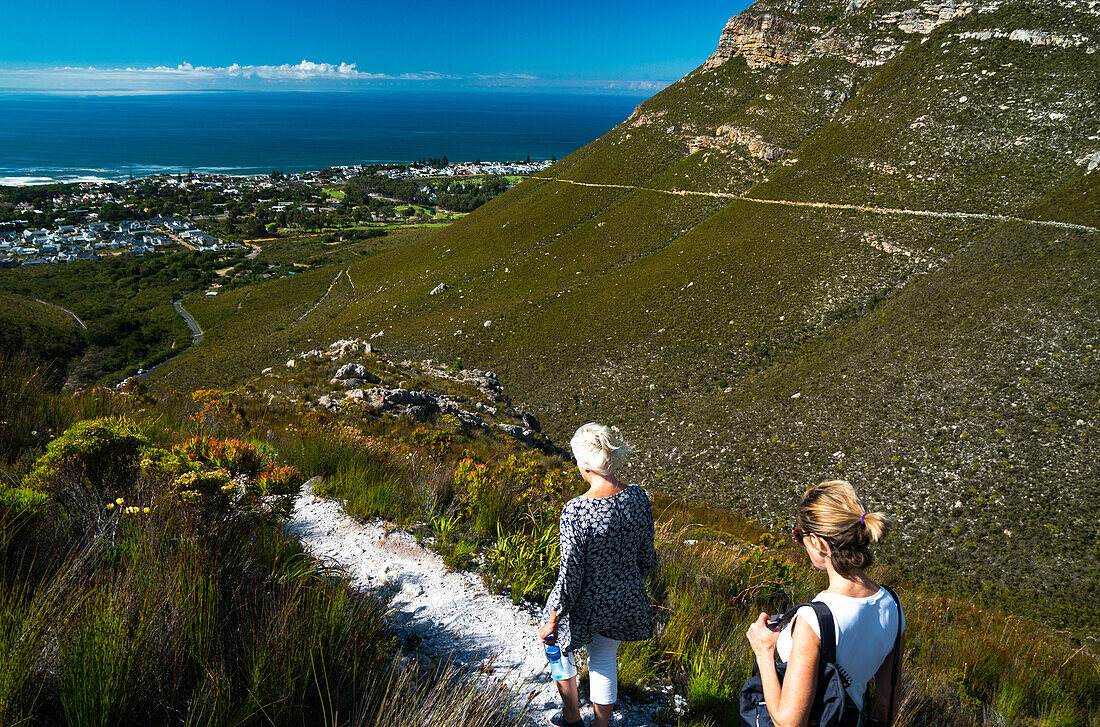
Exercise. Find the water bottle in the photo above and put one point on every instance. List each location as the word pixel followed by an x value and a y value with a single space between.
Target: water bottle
pixel 553 655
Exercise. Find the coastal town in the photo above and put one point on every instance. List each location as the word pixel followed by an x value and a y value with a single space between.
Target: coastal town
pixel 90 242
pixel 86 221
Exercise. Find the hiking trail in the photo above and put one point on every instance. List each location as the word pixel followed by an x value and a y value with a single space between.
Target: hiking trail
pixel 833 205
pixel 453 613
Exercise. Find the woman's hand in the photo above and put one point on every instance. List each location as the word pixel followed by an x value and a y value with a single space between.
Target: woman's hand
pixel 548 631
pixel 761 638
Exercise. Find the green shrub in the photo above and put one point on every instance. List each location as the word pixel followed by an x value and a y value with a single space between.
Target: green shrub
pixel 20 502
pixel 713 683
pixel 19 509
pixel 28 410
pixel 444 529
pixel 526 561
pixel 233 455
pixel 460 555
pixel 239 458
pixel 638 663
pixel 91 463
pixel 436 441
pixel 210 490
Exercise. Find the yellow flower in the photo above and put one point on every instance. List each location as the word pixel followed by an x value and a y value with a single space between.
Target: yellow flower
pixel 119 501
pixel 146 510
pixel 110 506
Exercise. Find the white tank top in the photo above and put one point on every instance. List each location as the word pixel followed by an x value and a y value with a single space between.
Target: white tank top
pixel 865 633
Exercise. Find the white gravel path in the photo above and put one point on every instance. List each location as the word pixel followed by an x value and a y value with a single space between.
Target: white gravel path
pixel 452 612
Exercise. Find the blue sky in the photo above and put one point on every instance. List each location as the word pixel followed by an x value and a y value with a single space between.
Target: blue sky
pixel 601 45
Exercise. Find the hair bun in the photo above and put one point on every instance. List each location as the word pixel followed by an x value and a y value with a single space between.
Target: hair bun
pixel 599 448
pixel 833 510
pixel 877 524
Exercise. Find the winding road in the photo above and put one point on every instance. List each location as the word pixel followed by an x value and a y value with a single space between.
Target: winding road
pixel 196 338
pixel 196 331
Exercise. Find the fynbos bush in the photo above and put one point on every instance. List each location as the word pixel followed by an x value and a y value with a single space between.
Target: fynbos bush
pixel 90 463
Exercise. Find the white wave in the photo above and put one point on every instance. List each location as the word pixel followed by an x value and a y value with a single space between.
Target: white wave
pixel 25 181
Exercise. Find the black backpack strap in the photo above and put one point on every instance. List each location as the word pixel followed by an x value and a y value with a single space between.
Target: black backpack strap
pixel 827 647
pixel 786 618
pixel 825 623
pixel 828 632
pixel 897 654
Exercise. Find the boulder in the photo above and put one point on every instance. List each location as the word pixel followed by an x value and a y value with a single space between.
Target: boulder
pixel 353 371
pixel 529 421
pixel 527 436
pixel 355 383
pixel 417 412
pixel 469 420
pixel 381 399
pixel 486 381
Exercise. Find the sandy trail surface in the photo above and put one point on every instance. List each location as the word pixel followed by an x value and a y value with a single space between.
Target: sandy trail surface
pixel 453 613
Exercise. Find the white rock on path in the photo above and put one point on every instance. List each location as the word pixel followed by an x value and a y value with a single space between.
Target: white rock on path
pixel 452 611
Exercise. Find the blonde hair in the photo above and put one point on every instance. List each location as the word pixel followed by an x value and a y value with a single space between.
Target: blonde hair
pixel 833 511
pixel 599 448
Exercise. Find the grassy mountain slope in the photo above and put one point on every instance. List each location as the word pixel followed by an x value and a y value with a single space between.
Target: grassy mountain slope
pixel 941 363
pixel 45 332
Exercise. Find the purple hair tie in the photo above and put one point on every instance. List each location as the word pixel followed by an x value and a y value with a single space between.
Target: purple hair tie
pixel 861 518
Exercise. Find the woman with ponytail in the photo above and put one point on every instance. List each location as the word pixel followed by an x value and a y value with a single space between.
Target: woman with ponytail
pixel 600 598
pixel 869 624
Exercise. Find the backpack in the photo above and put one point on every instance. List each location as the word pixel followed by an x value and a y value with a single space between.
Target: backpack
pixel 832 705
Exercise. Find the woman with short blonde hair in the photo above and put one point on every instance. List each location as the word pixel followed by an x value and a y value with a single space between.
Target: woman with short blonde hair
pixel 600 598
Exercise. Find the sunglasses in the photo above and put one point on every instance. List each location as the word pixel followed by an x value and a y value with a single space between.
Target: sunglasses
pixel 800 535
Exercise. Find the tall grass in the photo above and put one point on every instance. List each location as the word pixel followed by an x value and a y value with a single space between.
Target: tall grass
pixel 182 616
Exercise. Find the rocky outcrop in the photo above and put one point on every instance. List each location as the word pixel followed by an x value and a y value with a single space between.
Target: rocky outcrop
pixel 927 16
pixel 485 381
pixel 343 347
pixel 644 118
pixel 763 40
pixel 353 375
pixel 360 391
pixel 1032 37
pixel 523 434
pixel 728 136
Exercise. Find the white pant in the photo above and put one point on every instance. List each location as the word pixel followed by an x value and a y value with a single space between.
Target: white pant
pixel 603 678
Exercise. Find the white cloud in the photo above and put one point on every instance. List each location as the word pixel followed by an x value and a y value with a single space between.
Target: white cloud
pixel 505 77
pixel 305 75
pixel 186 76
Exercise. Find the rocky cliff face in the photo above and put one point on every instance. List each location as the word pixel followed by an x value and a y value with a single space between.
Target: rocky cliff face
pixel 762 40
pixel 867 33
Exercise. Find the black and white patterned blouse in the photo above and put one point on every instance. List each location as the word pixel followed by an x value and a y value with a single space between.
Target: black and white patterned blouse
pixel 606 553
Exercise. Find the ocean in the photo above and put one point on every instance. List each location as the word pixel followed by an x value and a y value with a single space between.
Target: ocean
pixel 46 138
